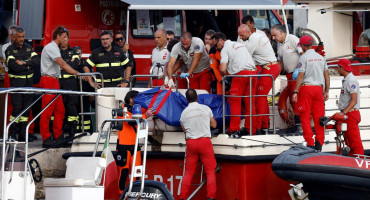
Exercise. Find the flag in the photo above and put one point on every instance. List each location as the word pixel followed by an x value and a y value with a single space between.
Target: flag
pixel 285 2
pixel 110 175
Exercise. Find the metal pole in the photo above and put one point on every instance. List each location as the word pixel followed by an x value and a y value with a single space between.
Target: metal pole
pixel 223 106
pixel 250 104
pixel 273 105
pixel 127 23
pixel 82 122
pixel 5 137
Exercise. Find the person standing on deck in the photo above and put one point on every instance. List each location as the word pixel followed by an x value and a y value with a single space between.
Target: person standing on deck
pixel 349 104
pixel 313 79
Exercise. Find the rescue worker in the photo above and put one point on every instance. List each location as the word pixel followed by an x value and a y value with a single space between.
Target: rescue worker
pixel 214 63
pixel 126 142
pixel 120 41
pixel 249 21
pixel 193 54
pixel 160 56
pixel 170 35
pixel 260 49
pixel 236 60
pixel 288 55
pixel 88 101
pixel 68 81
pixel 51 62
pixel 196 120
pixel 111 62
pixel 21 60
pixel 349 104
pixel 208 39
pixel 313 79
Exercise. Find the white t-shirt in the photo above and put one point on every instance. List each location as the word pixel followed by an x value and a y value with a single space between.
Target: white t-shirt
pixel 161 56
pixel 244 42
pixel 196 119
pixel 349 85
pixel 289 53
pixel 260 48
pixel 48 56
pixel 312 65
pixel 196 46
pixel 237 57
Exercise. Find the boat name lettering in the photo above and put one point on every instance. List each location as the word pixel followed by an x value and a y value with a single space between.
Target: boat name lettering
pixel 146 195
pixel 361 162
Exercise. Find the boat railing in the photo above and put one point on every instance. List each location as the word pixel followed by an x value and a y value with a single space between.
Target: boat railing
pixel 352 64
pixel 7 141
pixel 250 115
pixel 82 113
pixel 150 76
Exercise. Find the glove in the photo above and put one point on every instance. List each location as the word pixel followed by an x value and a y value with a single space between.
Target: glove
pixel 150 112
pixel 184 75
pixel 166 80
pixel 295 74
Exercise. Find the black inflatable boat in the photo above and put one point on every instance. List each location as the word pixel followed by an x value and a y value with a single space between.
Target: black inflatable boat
pixel 325 175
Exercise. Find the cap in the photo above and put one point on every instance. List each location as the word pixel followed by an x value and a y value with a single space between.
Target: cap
pixel 305 40
pixel 346 64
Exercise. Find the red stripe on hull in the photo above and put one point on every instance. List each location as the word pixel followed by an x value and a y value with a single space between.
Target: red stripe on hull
pixel 337 161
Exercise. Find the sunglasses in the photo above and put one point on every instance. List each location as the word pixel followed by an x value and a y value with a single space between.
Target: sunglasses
pixel 119 39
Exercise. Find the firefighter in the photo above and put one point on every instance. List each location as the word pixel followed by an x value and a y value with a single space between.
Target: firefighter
pixel 312 80
pixel 111 62
pixel 51 62
pixel 88 101
pixel 288 55
pixel 126 142
pixel 236 60
pixel 260 49
pixel 196 120
pixel 349 104
pixel 193 54
pixel 68 81
pixel 21 60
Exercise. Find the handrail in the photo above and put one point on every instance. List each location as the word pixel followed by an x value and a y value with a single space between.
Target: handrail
pixel 155 76
pixel 93 75
pixel 250 115
pixel 352 64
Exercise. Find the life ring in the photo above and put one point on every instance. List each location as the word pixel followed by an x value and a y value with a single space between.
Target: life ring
pixel 282 105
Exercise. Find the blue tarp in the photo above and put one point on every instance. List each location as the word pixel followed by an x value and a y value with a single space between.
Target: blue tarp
pixel 175 103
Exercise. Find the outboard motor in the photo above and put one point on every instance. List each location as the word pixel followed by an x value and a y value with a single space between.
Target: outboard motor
pixel 153 190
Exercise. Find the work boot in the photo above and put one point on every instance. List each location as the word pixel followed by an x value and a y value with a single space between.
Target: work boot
pixel 13 131
pixel 318 146
pixel 48 142
pixel 59 140
pixel 72 130
pixel 32 137
pixel 312 147
pixel 235 135
pixel 22 132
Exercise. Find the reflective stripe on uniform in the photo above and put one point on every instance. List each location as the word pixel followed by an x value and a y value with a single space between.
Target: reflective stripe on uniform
pixel 23 119
pixel 10 57
pixel 90 62
pixel 75 57
pixel 125 62
pixel 87 122
pixel 110 80
pixel 11 118
pixel 24 76
pixel 72 118
pixel 66 76
pixel 33 54
pixel 115 64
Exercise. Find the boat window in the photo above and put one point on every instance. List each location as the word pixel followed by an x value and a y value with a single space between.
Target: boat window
pixel 273 19
pixel 144 23
pixel 260 18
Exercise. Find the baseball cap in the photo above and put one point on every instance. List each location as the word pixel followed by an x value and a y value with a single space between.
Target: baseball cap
pixel 305 40
pixel 346 64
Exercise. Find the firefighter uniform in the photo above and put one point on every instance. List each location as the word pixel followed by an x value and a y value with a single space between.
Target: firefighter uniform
pixel 21 76
pixel 311 96
pixel 69 82
pixel 239 62
pixel 350 85
pixel 111 64
pixel 260 49
pixel 214 62
pixel 202 76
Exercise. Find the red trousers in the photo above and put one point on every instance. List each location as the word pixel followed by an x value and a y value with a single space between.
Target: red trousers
pixel 352 135
pixel 199 148
pixel 264 85
pixel 200 80
pixel 291 87
pixel 311 98
pixel 157 82
pixel 240 86
pixel 57 107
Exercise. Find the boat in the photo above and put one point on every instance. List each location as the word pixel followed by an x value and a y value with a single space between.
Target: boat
pixel 325 175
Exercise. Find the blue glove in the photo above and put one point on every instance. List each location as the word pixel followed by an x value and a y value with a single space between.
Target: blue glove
pixel 184 75
pixel 295 74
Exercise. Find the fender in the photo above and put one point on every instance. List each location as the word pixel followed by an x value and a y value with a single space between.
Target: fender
pixel 282 105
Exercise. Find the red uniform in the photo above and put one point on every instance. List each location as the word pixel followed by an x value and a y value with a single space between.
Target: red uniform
pixel 352 135
pixel 264 86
